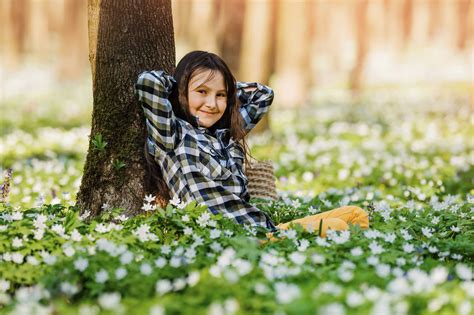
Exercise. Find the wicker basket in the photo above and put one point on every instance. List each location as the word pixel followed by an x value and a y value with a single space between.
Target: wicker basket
pixel 261 180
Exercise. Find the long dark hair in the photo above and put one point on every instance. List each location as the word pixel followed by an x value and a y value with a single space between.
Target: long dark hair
pixel 189 65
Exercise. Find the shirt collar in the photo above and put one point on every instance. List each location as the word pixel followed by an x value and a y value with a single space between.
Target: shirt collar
pixel 217 132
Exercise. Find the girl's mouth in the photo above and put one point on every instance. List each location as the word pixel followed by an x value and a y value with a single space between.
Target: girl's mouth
pixel 208 113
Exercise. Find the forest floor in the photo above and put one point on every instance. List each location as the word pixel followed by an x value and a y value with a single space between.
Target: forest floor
pixel 404 156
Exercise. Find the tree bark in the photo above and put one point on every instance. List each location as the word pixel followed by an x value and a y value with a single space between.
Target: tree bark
pixel 126 37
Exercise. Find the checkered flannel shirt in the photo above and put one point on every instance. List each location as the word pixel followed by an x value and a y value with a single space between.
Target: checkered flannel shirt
pixel 196 164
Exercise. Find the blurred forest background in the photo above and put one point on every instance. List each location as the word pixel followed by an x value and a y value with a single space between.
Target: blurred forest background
pixel 299 47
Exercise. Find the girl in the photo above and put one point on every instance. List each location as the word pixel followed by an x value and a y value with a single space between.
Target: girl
pixel 196 126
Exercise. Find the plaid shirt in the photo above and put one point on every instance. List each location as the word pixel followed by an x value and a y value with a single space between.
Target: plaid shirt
pixel 196 164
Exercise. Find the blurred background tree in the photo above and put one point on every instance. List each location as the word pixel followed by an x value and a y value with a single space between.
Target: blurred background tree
pixel 296 46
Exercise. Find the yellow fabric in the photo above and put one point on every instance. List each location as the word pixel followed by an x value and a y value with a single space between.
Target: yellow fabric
pixel 336 219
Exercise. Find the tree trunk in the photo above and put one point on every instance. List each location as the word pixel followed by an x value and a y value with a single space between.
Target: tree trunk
pixel 202 26
pixel 407 20
pixel 362 37
pixel 229 31
pixel 73 40
pixel 181 24
pixel 7 59
pixel 126 37
pixel 386 19
pixel 257 54
pixel 434 20
pixel 463 26
pixel 38 37
pixel 19 11
pixel 292 53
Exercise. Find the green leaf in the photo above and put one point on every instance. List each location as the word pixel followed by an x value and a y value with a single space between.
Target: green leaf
pixel 99 142
pixel 118 164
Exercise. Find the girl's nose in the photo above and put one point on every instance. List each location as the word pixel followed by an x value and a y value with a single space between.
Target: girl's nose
pixel 211 102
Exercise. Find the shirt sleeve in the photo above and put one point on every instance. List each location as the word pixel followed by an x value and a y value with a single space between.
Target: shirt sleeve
pixel 152 90
pixel 254 103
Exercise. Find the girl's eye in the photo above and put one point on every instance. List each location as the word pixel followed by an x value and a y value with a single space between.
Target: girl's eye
pixel 221 95
pixel 202 92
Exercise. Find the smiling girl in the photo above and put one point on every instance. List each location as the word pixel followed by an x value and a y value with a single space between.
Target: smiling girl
pixel 196 122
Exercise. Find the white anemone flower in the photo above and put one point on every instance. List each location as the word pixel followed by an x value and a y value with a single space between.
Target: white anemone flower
pixel 286 292
pixel 215 233
pixel 157 310
pixel 109 301
pixel 297 258
pixel 354 299
pixel 376 248
pixel 333 309
pixel 179 284
pixel 32 260
pixel 101 276
pixel 203 219
pixel 455 229
pixel 81 264
pixel 408 248
pixel 318 259
pixel 163 286
pixel 382 270
pixel 175 261
pixel 76 235
pixel 464 272
pixel 17 258
pixel 4 285
pixel 126 257
pixel 69 288
pixel 148 207
pixel 149 198
pixel 17 242
pixel 160 262
pixel 175 201
pixel 58 229
pixel 101 228
pixel 439 274
pixel 146 269
pixel 356 251
pixel 16 216
pixel 193 278
pixel 120 273
pixel 428 232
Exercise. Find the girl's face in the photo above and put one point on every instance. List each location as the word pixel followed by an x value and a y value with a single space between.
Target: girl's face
pixel 207 98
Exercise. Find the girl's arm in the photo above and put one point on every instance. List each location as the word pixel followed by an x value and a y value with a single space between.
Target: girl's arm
pixel 256 99
pixel 152 90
